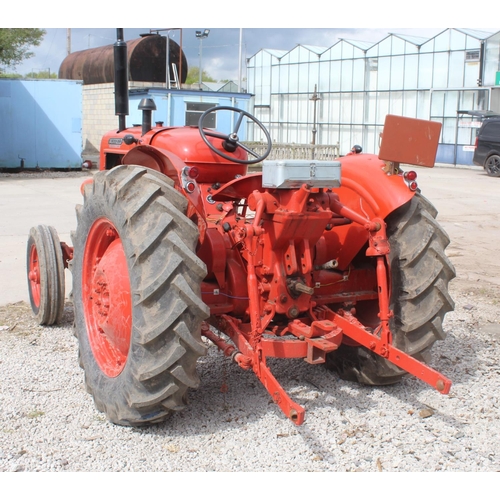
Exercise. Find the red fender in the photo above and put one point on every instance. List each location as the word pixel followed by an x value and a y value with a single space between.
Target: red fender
pixel 172 166
pixel 363 176
pixel 367 189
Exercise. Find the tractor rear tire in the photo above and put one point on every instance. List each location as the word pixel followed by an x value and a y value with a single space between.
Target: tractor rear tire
pixel 45 272
pixel 137 295
pixel 420 273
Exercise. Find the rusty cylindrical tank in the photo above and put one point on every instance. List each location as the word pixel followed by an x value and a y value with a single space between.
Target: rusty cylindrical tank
pixel 146 62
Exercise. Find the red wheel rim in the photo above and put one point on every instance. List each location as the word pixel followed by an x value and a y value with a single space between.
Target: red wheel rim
pixel 106 297
pixel 34 276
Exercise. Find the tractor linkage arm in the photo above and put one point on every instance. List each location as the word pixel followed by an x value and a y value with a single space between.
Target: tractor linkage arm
pixel 323 334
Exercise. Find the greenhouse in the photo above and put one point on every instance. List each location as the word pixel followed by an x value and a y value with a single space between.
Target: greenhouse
pixel 342 94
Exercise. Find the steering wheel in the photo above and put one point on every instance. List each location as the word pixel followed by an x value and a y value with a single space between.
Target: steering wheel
pixel 230 142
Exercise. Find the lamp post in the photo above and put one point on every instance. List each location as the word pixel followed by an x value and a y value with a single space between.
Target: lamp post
pixel 201 35
pixel 315 98
pixel 168 60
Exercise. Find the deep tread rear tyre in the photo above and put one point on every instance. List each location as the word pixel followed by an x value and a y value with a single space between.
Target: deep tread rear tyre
pixel 164 272
pixel 45 273
pixel 420 275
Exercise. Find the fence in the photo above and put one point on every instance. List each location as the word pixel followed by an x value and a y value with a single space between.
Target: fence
pixel 296 151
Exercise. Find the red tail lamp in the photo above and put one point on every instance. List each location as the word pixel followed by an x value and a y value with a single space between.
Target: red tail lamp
pixel 410 176
pixel 191 172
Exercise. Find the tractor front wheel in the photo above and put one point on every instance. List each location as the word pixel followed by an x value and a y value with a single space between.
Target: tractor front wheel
pixel 420 274
pixel 45 272
pixel 136 293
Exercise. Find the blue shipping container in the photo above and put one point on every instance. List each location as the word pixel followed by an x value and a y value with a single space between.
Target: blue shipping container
pixel 40 123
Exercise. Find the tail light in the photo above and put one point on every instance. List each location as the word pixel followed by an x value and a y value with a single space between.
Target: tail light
pixel 192 172
pixel 410 178
pixel 189 174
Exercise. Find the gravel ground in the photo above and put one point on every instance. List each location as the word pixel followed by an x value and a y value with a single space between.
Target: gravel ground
pixel 48 422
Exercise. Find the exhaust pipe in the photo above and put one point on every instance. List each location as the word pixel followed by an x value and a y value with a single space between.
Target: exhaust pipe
pixel 121 79
pixel 147 106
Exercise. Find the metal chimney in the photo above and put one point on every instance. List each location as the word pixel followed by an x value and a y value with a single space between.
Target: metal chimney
pixel 147 106
pixel 121 79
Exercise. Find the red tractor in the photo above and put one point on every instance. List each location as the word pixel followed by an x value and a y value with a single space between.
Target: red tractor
pixel 339 262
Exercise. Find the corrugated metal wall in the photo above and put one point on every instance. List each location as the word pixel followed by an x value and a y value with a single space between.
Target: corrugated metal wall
pixel 41 122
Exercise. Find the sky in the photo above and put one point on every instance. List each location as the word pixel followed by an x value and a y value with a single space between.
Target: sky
pixel 265 24
pixel 220 50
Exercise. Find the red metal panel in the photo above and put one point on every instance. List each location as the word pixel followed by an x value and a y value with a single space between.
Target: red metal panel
pixel 409 140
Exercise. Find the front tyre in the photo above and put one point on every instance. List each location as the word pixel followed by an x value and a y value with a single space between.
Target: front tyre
pixel 45 273
pixel 136 292
pixel 420 274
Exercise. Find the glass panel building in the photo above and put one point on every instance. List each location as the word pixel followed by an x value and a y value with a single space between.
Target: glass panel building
pixel 342 94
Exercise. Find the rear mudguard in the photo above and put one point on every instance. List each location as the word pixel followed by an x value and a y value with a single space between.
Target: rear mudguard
pixel 370 191
pixel 365 188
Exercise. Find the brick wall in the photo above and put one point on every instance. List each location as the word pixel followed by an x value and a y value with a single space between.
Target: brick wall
pixel 98 110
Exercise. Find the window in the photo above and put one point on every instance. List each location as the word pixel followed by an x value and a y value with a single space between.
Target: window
pixel 195 109
pixel 491 131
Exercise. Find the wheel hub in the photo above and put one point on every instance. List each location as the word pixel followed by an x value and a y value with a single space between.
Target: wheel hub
pixel 493 167
pixel 100 297
pixel 34 276
pixel 107 305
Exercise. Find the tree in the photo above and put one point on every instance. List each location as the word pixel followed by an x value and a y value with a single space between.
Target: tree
pixel 15 44
pixel 11 75
pixel 193 76
pixel 41 75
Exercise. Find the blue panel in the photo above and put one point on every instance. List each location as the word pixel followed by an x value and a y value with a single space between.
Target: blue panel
pixel 464 157
pixel 4 88
pixel 76 125
pixel 41 123
pixel 446 154
pixel 171 106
